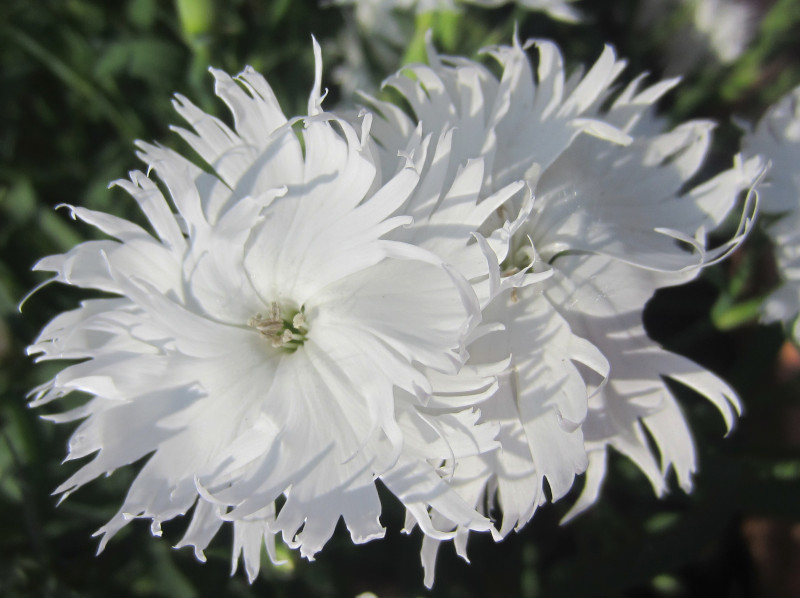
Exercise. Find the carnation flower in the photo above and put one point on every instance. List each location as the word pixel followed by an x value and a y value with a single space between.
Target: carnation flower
pixel 777 138
pixel 612 221
pixel 275 346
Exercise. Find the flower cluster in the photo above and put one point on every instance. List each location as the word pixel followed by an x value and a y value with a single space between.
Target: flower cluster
pixel 448 301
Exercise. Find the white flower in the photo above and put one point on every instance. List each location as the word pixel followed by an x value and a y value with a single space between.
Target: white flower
pixel 728 25
pixel 557 9
pixel 777 139
pixel 719 30
pixel 275 340
pixel 378 18
pixel 608 213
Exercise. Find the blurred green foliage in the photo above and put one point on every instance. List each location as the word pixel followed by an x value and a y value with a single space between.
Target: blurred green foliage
pixel 81 79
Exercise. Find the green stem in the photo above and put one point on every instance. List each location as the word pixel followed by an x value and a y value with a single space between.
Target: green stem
pixel 727 316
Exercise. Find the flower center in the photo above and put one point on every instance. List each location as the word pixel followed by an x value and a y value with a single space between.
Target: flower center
pixel 285 327
pixel 519 258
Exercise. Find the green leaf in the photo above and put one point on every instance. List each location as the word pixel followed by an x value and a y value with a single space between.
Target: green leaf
pixel 142 13
pixel 18 204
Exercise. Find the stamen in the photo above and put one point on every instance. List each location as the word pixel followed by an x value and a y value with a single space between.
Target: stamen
pixel 285 328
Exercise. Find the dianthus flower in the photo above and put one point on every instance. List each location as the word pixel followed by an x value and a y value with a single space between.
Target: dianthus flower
pixel 273 344
pixel 777 139
pixel 613 222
